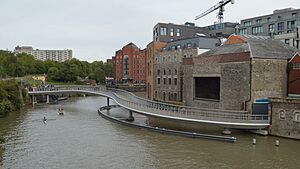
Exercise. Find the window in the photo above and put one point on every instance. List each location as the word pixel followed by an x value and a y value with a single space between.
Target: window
pixel 243 31
pixel 281 115
pixel 280 27
pixel 158 80
pixel 170 81
pixel 297 117
pixel 296 65
pixel 259 21
pixel 172 32
pixel 178 32
pixel 175 96
pixel 247 23
pixel 269 19
pixel 294 14
pixel 291 25
pixel 164 80
pixel 164 71
pixel 207 87
pixel 163 31
pixel 175 81
pixel 287 41
pixel 175 72
pixel 158 72
pixel 271 28
pixel 189 45
pixel 257 29
pixel 170 72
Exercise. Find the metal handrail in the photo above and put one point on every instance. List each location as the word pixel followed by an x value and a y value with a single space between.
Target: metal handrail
pixel 134 102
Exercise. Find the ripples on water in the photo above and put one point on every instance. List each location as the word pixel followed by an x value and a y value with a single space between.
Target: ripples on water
pixel 82 139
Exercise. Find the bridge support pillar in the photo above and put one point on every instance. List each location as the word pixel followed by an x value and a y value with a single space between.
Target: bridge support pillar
pixel 34 101
pixel 107 101
pixel 226 131
pixel 130 118
pixel 48 99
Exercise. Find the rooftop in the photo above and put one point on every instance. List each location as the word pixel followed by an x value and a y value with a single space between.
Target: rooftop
pixel 258 46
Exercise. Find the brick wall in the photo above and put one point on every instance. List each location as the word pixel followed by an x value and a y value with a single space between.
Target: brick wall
pixel 294 76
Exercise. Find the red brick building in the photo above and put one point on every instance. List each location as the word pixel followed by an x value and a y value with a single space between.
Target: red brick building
pixel 130 65
pixel 294 75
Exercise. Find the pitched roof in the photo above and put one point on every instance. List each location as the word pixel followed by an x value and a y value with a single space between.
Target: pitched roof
pixel 131 45
pixel 258 46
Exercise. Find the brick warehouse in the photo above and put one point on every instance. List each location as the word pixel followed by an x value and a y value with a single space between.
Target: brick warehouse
pixel 294 75
pixel 130 64
pixel 151 51
pixel 232 76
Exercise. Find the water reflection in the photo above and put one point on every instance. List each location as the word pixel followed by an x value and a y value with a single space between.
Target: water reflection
pixel 82 139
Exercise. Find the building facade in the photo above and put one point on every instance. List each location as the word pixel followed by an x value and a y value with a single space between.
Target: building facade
pixel 283 25
pixel 130 65
pixel 54 55
pixel 151 51
pixel 168 32
pixel 168 66
pixel 223 30
pixel 233 75
pixel 294 75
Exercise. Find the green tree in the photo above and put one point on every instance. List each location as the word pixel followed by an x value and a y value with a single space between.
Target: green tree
pixel 52 73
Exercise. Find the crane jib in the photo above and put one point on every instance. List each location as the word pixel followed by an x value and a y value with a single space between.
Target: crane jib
pixel 219 6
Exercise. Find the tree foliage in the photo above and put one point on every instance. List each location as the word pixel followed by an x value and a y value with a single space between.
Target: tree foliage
pixel 20 65
pixel 10 97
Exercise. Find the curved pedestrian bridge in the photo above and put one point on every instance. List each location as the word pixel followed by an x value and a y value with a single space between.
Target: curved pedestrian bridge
pixel 133 103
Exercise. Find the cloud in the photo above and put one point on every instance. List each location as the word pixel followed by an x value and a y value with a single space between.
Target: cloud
pixel 95 29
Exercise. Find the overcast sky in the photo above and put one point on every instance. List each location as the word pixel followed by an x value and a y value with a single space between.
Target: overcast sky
pixel 95 29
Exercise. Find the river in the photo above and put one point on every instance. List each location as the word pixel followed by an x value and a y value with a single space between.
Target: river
pixel 82 139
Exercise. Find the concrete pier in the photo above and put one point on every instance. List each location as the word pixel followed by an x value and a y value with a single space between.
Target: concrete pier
pixel 107 101
pixel 130 118
pixel 48 99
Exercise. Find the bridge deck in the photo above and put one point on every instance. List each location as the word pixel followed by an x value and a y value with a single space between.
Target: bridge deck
pixel 224 118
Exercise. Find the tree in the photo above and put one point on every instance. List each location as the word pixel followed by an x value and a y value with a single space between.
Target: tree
pixel 52 73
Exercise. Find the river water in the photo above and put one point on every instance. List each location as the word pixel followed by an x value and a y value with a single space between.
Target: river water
pixel 82 139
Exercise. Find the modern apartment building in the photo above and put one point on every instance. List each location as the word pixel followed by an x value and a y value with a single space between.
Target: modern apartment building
pixel 168 32
pixel 223 30
pixel 283 25
pixel 168 66
pixel 130 64
pixel 54 55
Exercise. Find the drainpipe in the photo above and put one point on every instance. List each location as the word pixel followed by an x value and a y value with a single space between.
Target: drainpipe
pixel 247 101
pixel 289 67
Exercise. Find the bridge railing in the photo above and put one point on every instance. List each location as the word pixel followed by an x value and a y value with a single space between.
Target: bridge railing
pixel 134 102
pixel 145 101
pixel 182 112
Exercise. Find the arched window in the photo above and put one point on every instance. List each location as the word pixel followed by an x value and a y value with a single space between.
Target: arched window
pixel 281 115
pixel 170 72
pixel 297 116
pixel 175 71
pixel 164 71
